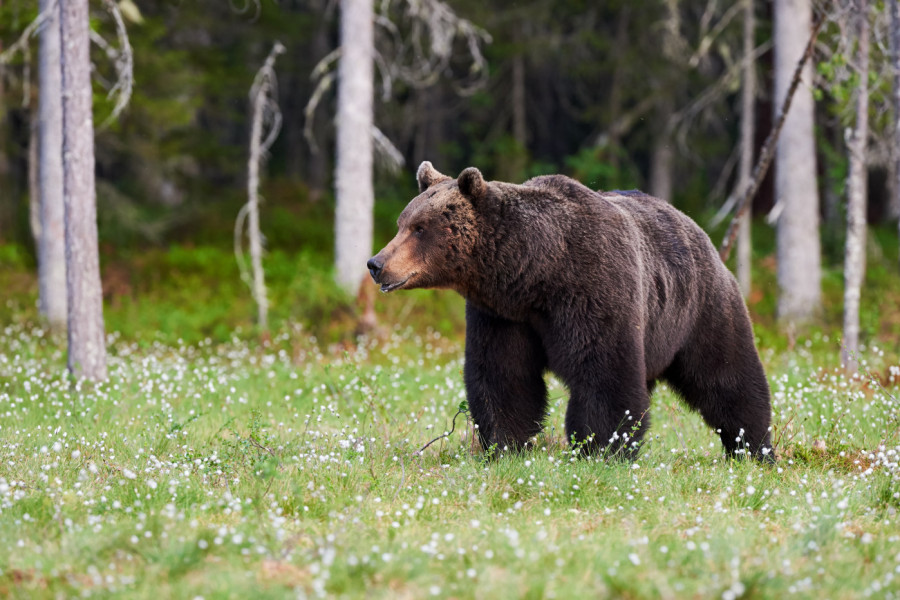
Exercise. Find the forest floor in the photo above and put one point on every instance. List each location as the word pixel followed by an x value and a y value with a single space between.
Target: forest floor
pixel 223 467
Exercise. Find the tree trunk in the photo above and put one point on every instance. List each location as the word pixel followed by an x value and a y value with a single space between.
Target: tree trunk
pixel 5 183
pixel 748 98
pixel 895 63
pixel 798 246
pixel 355 196
pixel 34 196
pixel 260 97
pixel 87 347
pixel 855 257
pixel 52 241
pixel 519 112
pixel 518 109
pixel 317 168
pixel 662 158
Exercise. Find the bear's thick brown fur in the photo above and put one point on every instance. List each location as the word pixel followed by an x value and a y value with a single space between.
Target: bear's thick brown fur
pixel 611 291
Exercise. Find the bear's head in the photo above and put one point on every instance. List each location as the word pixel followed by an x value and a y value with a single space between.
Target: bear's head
pixel 437 233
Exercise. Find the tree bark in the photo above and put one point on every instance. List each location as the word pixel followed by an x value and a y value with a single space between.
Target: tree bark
pixel 855 257
pixel 260 97
pixel 798 245
pixel 748 98
pixel 895 63
pixel 517 161
pixel 52 241
pixel 6 211
pixel 87 347
pixel 355 196
pixel 317 167
pixel 34 196
pixel 519 111
pixel 662 158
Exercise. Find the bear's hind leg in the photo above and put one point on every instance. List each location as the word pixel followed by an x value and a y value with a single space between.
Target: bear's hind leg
pixel 504 375
pixel 720 376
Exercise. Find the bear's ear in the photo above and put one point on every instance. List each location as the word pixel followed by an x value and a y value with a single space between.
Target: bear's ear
pixel 427 176
pixel 471 183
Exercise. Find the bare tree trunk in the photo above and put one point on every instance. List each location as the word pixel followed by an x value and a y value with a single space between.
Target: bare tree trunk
pixel 662 158
pixel 422 145
pixel 855 257
pixel 748 98
pixel 34 196
pixel 259 280
pixel 799 252
pixel 614 96
pixel 519 113
pixel 895 63
pixel 52 242
pixel 87 347
pixel 513 163
pixel 353 170
pixel 318 159
pixel 262 97
pixel 7 199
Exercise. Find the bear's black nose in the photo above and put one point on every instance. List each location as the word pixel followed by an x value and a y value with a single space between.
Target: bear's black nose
pixel 375 267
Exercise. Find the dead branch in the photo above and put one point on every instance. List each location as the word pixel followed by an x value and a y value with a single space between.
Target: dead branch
pixel 323 73
pixel 768 150
pixel 461 411
pixel 124 65
pixel 386 152
pixel 21 44
pixel 265 125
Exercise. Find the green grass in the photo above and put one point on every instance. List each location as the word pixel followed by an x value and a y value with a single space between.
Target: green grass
pixel 221 467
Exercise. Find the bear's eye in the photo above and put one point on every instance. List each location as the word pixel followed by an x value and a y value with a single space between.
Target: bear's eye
pixel 418 231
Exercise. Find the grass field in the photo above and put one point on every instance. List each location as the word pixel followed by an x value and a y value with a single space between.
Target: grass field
pixel 227 468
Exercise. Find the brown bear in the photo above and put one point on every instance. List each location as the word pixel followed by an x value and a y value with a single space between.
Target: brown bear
pixel 611 291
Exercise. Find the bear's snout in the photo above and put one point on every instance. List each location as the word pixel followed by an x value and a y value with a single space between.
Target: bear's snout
pixel 375 267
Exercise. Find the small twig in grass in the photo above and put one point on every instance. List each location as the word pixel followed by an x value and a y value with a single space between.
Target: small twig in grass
pixel 256 444
pixel 780 433
pixel 463 409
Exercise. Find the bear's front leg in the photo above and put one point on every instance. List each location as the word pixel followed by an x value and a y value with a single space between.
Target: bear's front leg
pixel 504 375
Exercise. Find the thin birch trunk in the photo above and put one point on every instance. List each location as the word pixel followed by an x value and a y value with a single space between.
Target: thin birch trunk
pixel 748 97
pixel 52 243
pixel 259 281
pixel 855 257
pixel 262 96
pixel 87 347
pixel 798 245
pixel 355 196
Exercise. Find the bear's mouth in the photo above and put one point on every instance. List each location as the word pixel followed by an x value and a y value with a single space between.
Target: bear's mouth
pixel 390 287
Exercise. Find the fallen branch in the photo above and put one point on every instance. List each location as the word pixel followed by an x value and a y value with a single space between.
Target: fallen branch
pixel 768 150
